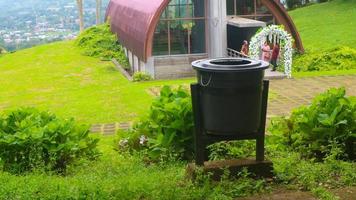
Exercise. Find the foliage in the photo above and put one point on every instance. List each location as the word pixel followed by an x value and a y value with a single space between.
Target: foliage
pixel 2 50
pixel 340 58
pixel 141 76
pixel 293 170
pixel 232 185
pixel 99 41
pixel 31 139
pixel 330 121
pixel 324 194
pixel 168 127
pixel 232 150
pixel 117 176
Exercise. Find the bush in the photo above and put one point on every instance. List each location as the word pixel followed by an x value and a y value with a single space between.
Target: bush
pixel 329 122
pixel 31 139
pixel 2 50
pixel 232 150
pixel 99 41
pixel 141 76
pixel 168 129
pixel 341 58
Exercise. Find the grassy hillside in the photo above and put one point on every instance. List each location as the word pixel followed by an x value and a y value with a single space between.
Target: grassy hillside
pixel 57 77
pixel 326 25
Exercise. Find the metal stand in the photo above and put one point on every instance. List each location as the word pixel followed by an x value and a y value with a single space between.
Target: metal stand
pixel 202 140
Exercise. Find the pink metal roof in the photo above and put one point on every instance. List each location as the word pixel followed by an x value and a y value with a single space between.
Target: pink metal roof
pixel 134 21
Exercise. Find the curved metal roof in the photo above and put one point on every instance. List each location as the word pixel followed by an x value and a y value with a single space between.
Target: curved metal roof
pixel 134 21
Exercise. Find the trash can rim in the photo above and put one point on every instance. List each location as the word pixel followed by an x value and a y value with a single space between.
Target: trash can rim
pixel 210 65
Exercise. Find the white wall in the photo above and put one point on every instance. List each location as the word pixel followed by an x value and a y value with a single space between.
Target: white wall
pixel 217 28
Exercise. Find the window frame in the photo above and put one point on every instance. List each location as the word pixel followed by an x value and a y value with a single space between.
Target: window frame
pixel 167 19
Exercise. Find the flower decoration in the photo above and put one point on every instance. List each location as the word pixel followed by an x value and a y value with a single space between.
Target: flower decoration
pixel 274 34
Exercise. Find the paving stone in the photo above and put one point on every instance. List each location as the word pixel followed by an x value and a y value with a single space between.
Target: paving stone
pixel 292 93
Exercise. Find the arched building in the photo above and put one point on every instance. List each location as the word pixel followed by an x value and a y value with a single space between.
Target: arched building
pixel 162 37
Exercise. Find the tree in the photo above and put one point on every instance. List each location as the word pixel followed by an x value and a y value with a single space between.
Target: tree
pixel 2 50
pixel 81 15
pixel 98 12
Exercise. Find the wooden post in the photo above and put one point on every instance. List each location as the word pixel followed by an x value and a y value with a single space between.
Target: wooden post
pixel 199 143
pixel 260 140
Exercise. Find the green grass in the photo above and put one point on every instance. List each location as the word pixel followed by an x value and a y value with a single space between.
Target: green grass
pixel 117 176
pixel 57 77
pixel 324 73
pixel 327 25
pixel 323 28
pixel 120 176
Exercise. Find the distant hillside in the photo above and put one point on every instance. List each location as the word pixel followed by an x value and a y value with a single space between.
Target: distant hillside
pixel 28 23
pixel 327 25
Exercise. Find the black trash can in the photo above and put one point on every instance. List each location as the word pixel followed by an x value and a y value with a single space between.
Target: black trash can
pixel 230 94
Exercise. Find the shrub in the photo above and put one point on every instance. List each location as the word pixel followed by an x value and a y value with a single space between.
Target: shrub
pixel 99 41
pixel 168 128
pixel 2 50
pixel 340 58
pixel 232 150
pixel 141 76
pixel 31 139
pixel 329 122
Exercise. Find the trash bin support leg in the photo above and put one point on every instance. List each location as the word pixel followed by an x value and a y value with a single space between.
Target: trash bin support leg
pixel 199 142
pixel 260 140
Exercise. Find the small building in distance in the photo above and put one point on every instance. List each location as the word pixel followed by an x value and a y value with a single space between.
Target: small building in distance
pixel 163 37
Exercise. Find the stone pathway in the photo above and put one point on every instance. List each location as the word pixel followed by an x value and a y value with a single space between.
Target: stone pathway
pixel 288 94
pixel 292 93
pixel 109 129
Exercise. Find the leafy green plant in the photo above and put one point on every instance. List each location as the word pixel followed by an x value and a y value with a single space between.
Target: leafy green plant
pixel 290 168
pixel 231 150
pixel 31 139
pixel 340 58
pixel 141 76
pixel 313 130
pixel 168 127
pixel 99 41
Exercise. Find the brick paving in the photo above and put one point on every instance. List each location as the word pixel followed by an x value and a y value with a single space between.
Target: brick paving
pixel 109 129
pixel 289 94
pixel 292 93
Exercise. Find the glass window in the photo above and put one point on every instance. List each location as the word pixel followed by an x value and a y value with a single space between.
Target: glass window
pixel 245 7
pixel 230 4
pixel 268 19
pixel 199 8
pixel 260 8
pixel 251 9
pixel 160 40
pixel 179 36
pixel 198 36
pixel 181 29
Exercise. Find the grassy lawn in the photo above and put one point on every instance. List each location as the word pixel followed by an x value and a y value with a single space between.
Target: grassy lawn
pixel 324 27
pixel 327 25
pixel 57 77
pixel 324 73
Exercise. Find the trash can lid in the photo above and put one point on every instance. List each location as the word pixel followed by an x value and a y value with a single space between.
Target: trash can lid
pixel 230 65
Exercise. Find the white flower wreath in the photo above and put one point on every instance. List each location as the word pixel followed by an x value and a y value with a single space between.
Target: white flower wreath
pixel 274 33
